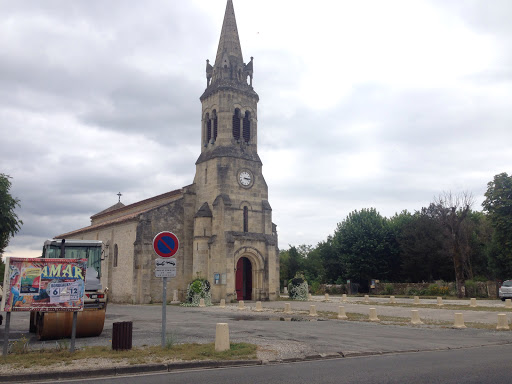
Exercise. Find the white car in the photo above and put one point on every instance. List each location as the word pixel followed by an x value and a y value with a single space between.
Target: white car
pixel 505 291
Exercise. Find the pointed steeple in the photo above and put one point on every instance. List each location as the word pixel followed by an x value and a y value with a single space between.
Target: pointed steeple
pixel 229 51
pixel 229 69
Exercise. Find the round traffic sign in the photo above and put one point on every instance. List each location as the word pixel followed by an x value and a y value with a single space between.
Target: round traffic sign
pixel 165 244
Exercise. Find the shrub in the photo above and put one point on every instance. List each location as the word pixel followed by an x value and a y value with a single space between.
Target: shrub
pixel 315 287
pixel 389 289
pixel 298 288
pixel 197 290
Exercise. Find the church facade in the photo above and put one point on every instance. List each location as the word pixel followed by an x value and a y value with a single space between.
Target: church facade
pixel 223 219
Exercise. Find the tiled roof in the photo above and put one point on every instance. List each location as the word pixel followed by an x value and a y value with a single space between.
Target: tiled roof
pixel 124 218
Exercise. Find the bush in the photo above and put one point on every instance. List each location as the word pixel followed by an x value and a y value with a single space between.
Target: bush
pixel 197 290
pixel 315 287
pixel 298 288
pixel 389 289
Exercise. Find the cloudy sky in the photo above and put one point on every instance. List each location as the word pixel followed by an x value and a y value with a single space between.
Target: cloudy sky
pixel 365 103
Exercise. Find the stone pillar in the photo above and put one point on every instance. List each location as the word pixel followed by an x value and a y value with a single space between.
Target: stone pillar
pixel 222 337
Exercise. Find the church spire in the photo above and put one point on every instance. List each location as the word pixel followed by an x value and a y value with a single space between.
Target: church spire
pixel 229 68
pixel 229 43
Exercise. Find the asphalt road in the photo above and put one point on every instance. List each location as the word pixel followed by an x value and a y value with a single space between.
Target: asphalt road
pixel 283 339
pixel 474 365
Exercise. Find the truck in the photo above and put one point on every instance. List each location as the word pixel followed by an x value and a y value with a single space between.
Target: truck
pixel 90 321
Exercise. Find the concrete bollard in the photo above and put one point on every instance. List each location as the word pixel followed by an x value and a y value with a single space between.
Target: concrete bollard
pixel 508 303
pixel 472 302
pixel 366 299
pixel 175 297
pixel 312 310
pixel 222 303
pixel 310 297
pixel 439 301
pixel 221 337
pixel 459 321
pixel 373 315
pixel 502 322
pixel 416 300
pixel 241 304
pixel 258 308
pixel 341 313
pixel 326 297
pixel 344 298
pixel 392 300
pixel 287 308
pixel 201 302
pixel 415 317
pixel 285 290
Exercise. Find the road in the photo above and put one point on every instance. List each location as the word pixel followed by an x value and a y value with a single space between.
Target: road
pixel 473 365
pixel 283 339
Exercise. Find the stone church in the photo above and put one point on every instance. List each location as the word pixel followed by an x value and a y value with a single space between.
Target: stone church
pixel 223 219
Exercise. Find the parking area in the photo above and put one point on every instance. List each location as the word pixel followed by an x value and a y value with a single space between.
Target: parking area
pixel 301 335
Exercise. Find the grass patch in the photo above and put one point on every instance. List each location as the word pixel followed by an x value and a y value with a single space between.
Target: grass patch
pixel 142 355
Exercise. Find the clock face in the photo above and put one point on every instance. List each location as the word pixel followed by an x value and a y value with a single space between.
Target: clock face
pixel 245 178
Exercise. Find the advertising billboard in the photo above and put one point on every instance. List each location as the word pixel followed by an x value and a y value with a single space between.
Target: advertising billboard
pixel 46 285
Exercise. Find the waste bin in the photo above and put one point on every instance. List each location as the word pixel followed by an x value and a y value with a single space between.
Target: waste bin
pixel 122 335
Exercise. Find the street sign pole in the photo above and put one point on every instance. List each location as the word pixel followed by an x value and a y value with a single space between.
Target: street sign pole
pixel 166 245
pixel 164 309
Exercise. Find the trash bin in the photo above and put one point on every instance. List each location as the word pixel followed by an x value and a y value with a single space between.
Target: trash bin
pixel 122 336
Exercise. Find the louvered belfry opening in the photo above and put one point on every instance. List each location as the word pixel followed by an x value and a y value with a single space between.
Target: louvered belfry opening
pixel 247 126
pixel 214 124
pixel 208 128
pixel 236 124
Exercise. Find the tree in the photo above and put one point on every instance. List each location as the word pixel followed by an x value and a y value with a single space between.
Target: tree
pixel 362 242
pixel 10 224
pixel 422 244
pixel 498 205
pixel 452 212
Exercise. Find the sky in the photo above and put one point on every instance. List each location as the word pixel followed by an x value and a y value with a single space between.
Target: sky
pixel 369 103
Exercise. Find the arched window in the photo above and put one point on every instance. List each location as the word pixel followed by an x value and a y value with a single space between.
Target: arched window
pixel 214 124
pixel 247 126
pixel 115 255
pixel 236 124
pixel 246 219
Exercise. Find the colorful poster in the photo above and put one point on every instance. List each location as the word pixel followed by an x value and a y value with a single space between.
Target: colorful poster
pixel 46 285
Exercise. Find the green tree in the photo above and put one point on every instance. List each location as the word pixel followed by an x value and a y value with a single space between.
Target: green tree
pixel 294 263
pixel 10 224
pixel 423 252
pixel 362 242
pixel 498 205
pixel 312 263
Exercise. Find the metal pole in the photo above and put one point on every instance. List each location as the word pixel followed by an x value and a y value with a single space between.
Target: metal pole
pixel 73 332
pixel 6 333
pixel 164 309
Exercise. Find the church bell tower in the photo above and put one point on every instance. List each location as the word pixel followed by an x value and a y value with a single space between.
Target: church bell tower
pixel 235 241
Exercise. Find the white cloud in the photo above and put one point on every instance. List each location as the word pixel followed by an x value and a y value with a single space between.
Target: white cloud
pixel 362 103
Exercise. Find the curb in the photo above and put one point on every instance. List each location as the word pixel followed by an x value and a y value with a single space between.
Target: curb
pixel 125 370
pixel 206 364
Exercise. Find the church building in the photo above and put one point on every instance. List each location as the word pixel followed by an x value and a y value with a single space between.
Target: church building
pixel 223 220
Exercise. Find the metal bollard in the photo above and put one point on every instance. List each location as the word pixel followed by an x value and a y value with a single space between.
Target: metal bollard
pixel 122 336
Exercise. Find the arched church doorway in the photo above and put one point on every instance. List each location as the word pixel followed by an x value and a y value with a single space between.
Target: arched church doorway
pixel 243 279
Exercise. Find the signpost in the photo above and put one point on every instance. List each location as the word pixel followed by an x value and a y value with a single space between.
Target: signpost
pixel 166 245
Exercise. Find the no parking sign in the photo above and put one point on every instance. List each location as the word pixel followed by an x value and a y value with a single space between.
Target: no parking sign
pixel 166 244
